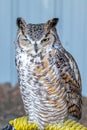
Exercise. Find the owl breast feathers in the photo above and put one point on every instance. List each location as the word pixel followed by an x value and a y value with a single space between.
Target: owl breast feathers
pixel 49 77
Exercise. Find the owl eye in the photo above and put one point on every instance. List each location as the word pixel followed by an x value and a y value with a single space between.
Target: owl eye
pixel 25 39
pixel 45 40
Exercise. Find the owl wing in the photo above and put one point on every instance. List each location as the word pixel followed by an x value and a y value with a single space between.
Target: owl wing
pixel 72 82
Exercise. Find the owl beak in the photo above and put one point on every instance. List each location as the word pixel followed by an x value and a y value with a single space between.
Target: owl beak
pixel 35 47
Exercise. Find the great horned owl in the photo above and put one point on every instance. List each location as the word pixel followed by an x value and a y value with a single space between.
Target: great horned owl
pixel 49 78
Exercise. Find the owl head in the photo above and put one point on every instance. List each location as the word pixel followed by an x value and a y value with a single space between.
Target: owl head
pixel 36 38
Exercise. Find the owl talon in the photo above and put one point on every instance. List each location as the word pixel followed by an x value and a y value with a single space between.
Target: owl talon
pixel 9 127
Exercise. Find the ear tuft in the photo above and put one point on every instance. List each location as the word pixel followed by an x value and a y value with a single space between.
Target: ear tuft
pixel 21 23
pixel 52 23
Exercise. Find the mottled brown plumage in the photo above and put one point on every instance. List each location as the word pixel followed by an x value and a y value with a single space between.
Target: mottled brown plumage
pixel 49 77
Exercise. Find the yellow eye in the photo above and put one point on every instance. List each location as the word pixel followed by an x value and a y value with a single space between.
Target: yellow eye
pixel 45 40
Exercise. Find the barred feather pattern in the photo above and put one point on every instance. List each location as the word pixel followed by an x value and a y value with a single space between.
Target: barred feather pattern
pixel 50 84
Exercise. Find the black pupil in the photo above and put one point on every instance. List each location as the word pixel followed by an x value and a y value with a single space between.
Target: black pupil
pixel 45 39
